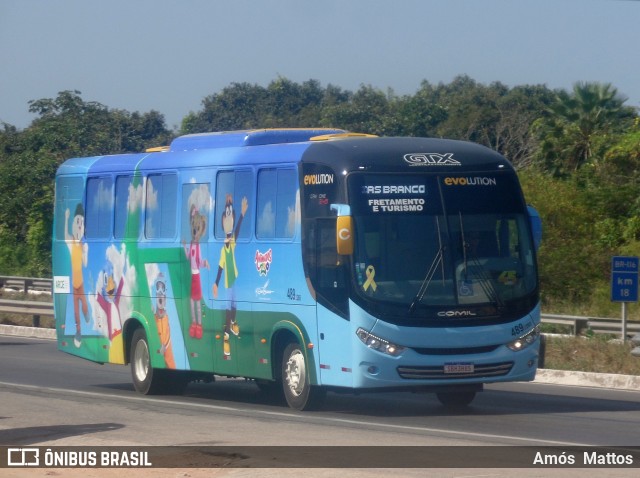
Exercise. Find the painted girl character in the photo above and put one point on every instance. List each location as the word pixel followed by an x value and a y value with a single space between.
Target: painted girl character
pixel 162 322
pixel 227 265
pixel 79 250
pixel 198 224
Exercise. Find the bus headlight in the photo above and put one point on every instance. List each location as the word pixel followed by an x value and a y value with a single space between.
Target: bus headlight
pixel 526 340
pixel 377 343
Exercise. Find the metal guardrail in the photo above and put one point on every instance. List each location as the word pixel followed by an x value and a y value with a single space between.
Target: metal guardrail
pixel 27 307
pixel 598 325
pixel 33 308
pixel 26 284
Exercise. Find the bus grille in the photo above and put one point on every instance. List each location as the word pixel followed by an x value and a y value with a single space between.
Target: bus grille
pixel 456 351
pixel 480 370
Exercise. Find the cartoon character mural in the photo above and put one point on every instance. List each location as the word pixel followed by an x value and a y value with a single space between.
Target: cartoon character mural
pixel 165 316
pixel 227 264
pixel 112 300
pixel 79 250
pixel 198 204
pixel 162 321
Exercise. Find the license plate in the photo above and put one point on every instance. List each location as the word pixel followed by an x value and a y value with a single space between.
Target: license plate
pixel 458 368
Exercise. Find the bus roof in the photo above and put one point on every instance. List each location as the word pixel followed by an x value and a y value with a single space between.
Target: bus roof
pixel 259 137
pixel 336 148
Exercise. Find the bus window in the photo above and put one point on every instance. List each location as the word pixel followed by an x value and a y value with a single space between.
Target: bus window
pixel 276 204
pixel 233 189
pixel 99 208
pixel 196 199
pixel 69 193
pixel 123 183
pixel 161 204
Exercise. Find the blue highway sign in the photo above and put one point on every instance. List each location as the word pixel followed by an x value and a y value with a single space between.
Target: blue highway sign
pixel 624 279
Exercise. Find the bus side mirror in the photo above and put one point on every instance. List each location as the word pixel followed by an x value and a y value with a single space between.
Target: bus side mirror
pixel 344 235
pixel 536 226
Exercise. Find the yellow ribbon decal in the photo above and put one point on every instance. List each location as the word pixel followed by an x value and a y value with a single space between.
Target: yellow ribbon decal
pixel 370 273
pixel 508 278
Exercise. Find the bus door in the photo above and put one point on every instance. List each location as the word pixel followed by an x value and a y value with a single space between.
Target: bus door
pixel 331 286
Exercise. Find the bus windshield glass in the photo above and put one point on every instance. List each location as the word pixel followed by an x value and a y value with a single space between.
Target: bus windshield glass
pixel 425 240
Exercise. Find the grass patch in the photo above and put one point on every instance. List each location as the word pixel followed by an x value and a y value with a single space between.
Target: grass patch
pixel 598 354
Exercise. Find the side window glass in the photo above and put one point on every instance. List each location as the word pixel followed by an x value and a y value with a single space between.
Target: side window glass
pixel 276 215
pixel 99 208
pixel 196 207
pixel 161 203
pixel 267 192
pixel 124 188
pixel 69 195
pixel 233 217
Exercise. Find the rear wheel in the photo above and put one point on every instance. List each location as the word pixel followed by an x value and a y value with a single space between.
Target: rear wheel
pixel 146 379
pixel 295 380
pixel 456 399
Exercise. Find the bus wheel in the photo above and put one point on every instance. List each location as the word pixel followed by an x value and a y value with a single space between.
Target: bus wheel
pixel 146 380
pixel 295 380
pixel 456 399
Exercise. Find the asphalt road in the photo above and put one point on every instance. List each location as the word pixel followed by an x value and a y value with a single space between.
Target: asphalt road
pixel 48 397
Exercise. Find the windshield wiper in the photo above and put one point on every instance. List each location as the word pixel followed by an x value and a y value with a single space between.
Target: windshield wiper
pixel 437 260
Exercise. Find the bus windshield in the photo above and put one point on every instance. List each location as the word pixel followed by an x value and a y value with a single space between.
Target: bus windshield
pixel 425 241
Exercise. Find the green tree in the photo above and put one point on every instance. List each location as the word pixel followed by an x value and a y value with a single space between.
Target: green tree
pixel 614 185
pixel 66 126
pixel 420 114
pixel 368 110
pixel 471 109
pixel 578 125
pixel 571 262
pixel 283 103
pixel 517 110
pixel 236 107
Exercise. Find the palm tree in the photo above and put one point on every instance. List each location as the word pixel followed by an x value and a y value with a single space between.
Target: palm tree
pixel 575 119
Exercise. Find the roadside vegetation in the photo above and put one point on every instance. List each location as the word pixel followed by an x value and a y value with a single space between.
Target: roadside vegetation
pixel 600 354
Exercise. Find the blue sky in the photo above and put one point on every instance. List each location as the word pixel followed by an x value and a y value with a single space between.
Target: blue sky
pixel 168 55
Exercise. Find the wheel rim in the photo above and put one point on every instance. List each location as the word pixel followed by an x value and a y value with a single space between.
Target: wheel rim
pixel 295 373
pixel 141 360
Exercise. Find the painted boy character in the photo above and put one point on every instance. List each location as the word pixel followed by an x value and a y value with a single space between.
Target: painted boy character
pixel 198 224
pixel 79 254
pixel 227 265
pixel 162 323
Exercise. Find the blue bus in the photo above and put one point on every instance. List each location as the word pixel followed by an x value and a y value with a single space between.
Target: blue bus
pixel 305 259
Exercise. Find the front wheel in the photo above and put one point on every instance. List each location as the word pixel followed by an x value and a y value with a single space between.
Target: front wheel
pixel 146 379
pixel 298 392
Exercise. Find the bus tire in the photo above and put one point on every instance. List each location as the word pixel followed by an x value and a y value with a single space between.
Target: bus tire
pixel 146 379
pixel 456 399
pixel 298 392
